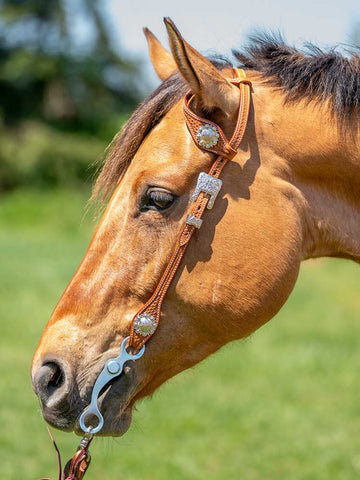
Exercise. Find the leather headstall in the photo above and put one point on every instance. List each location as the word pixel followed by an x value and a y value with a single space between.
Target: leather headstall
pixel 208 136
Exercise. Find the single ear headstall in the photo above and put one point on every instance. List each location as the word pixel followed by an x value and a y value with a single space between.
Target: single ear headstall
pixel 208 136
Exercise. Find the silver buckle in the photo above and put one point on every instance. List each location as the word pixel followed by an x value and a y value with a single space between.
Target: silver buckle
pixel 207 184
pixel 194 221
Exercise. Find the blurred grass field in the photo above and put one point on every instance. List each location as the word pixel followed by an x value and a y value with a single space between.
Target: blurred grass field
pixel 284 404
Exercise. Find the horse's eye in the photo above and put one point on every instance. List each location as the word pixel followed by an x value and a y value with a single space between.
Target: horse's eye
pixel 158 200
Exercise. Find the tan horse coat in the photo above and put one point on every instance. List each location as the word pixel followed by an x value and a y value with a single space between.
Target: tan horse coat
pixel 291 193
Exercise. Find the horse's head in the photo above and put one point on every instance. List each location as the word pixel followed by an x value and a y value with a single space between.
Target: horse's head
pixel 237 272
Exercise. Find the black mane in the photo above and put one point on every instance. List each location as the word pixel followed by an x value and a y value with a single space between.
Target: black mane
pixel 312 73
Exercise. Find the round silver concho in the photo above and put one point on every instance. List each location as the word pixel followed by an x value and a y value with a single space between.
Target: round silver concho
pixel 144 324
pixel 207 136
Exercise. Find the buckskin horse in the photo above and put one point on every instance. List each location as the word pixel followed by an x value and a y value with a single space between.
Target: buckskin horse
pixel 290 192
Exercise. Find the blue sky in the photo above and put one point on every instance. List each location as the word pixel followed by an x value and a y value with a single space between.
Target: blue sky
pixel 219 25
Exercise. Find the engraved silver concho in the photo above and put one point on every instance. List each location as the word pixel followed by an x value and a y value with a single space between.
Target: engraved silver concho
pixel 145 324
pixel 207 135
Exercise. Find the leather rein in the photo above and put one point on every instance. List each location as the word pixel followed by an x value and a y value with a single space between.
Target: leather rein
pixel 208 136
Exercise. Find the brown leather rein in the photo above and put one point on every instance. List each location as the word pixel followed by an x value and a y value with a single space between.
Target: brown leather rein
pixel 208 136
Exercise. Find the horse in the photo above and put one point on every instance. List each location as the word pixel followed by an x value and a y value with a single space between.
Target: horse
pixel 289 193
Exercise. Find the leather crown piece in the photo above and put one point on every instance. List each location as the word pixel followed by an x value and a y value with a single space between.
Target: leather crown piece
pixel 208 136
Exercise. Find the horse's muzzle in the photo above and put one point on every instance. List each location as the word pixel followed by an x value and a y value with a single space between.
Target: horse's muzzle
pixel 59 398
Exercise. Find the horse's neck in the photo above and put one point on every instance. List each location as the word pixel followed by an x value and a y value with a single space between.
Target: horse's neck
pixel 332 195
pixel 310 150
pixel 322 161
pixel 332 225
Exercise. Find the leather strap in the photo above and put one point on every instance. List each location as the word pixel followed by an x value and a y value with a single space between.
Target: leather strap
pixel 225 150
pixel 76 467
pixel 224 147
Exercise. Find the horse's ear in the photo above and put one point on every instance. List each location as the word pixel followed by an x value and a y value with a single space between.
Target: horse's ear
pixel 161 59
pixel 206 81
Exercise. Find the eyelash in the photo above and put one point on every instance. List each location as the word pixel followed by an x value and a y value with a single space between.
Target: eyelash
pixel 159 196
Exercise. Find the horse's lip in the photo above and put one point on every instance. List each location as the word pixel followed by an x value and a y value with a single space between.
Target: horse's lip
pixel 60 422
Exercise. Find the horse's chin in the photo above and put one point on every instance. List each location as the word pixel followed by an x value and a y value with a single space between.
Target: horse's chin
pixel 116 423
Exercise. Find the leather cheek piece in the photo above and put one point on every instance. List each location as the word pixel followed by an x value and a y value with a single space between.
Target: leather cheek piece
pixel 225 151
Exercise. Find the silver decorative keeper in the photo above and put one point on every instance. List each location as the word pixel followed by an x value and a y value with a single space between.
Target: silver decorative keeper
pixel 194 221
pixel 207 184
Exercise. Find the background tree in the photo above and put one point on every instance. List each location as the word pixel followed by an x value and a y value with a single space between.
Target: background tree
pixel 58 64
pixel 65 90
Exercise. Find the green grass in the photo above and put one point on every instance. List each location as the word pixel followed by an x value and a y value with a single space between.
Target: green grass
pixel 284 404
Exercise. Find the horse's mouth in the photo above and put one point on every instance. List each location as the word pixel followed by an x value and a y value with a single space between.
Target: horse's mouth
pixel 63 403
pixel 116 403
pixel 116 421
pixel 115 408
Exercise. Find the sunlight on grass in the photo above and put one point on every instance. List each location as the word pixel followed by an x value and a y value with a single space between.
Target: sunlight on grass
pixel 282 404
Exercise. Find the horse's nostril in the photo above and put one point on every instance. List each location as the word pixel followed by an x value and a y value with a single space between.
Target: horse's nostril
pixel 49 380
pixel 57 378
